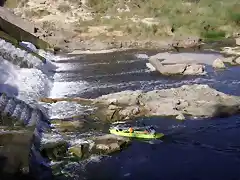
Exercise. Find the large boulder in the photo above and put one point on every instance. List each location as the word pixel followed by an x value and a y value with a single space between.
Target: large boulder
pixel 190 100
pixel 183 69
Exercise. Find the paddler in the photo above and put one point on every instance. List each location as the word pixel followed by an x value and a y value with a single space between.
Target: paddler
pixel 130 130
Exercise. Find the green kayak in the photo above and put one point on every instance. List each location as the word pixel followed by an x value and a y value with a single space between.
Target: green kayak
pixel 136 134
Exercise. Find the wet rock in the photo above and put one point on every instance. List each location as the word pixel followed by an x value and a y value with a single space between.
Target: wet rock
pixel 54 150
pixel 171 69
pixel 218 64
pixel 105 144
pixel 191 100
pixel 109 143
pixel 68 126
pixel 81 150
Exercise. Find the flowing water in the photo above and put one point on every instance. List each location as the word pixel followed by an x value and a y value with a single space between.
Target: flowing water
pixel 206 149
pixel 193 149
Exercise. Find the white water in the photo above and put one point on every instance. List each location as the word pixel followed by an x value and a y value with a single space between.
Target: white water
pixel 30 84
pixel 25 84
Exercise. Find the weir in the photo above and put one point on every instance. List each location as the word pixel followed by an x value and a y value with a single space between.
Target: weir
pixel 22 124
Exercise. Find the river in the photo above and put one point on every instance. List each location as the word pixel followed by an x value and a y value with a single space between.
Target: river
pixel 193 149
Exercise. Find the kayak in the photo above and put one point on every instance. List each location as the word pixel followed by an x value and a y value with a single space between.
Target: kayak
pixel 136 134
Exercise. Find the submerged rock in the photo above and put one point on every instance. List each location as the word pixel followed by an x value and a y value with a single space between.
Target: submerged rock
pixel 191 100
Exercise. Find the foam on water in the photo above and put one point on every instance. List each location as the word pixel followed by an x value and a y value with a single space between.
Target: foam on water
pixel 51 137
pixel 25 84
pixel 62 89
pixel 142 56
pixel 64 109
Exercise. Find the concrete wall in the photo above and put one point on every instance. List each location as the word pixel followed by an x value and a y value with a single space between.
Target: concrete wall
pixel 19 29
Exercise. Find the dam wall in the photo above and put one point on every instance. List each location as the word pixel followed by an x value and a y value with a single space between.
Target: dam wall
pixel 20 29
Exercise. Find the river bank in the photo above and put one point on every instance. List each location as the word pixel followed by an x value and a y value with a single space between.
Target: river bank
pixel 92 25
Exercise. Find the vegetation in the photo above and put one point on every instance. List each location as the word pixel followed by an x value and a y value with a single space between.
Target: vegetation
pixel 208 18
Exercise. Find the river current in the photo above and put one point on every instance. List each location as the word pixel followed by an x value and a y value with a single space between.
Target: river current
pixel 193 149
pixel 204 149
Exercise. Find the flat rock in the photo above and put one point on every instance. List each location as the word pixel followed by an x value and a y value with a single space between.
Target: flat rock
pixel 191 100
pixel 186 58
pixel 171 69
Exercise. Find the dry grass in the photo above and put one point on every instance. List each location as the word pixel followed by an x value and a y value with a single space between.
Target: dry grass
pixel 207 18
